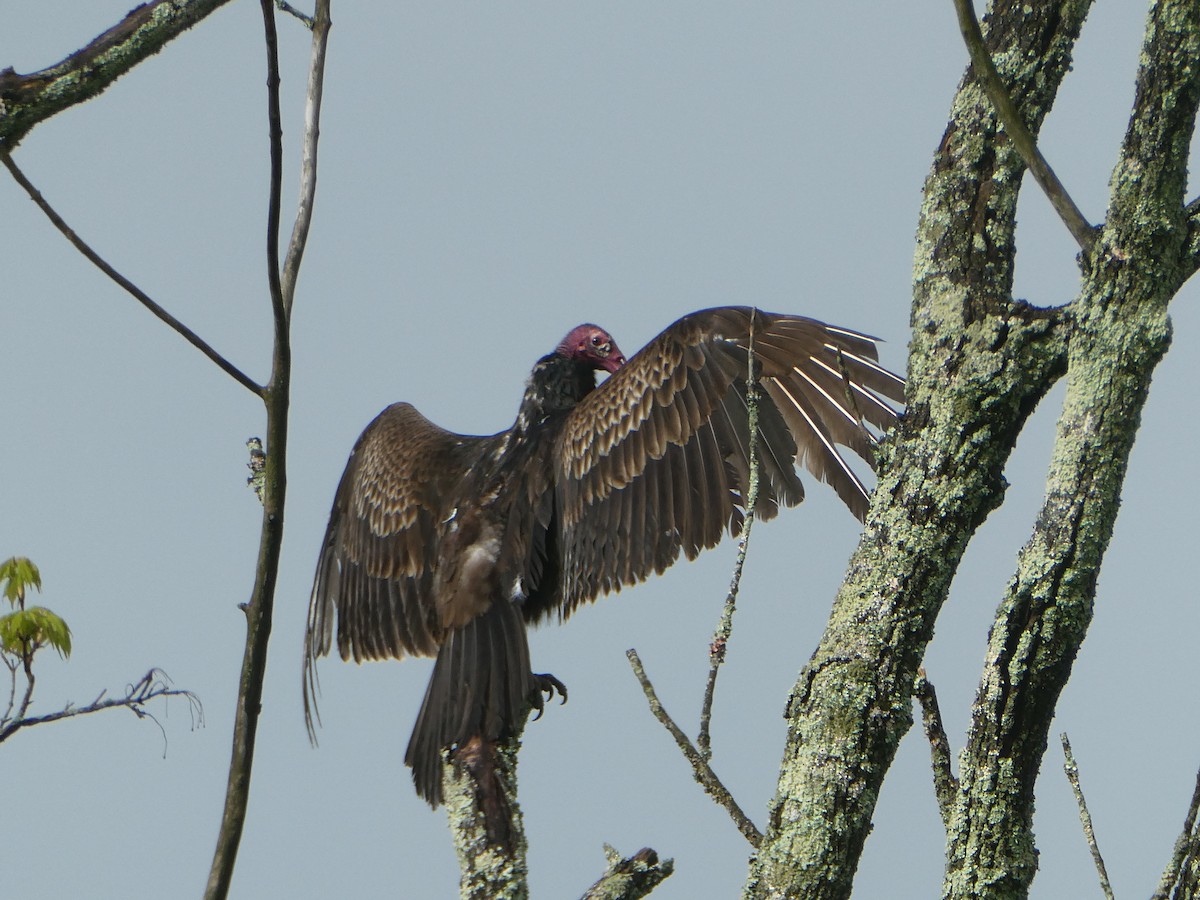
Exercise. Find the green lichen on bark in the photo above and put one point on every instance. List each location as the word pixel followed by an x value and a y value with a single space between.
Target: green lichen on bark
pixel 489 870
pixel 980 362
pixel 1120 332
pixel 26 100
pixel 630 878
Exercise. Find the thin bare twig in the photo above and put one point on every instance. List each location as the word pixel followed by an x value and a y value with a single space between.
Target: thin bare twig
pixel 945 785
pixel 286 7
pixel 12 690
pixel 700 768
pixel 1014 125
pixel 1185 846
pixel 1085 817
pixel 154 683
pixel 79 244
pixel 19 718
pixel 275 179
pixel 720 641
pixel 319 25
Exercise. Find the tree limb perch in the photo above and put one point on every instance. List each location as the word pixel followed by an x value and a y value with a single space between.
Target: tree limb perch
pixel 26 100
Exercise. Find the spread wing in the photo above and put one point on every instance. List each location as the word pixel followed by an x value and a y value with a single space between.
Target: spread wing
pixel 375 569
pixel 656 460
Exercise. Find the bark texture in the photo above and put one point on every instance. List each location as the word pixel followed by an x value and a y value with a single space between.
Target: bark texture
pixel 980 362
pixel 26 100
pixel 1119 332
pixel 491 869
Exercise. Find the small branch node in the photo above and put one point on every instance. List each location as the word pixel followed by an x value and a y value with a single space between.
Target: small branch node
pixel 284 6
pixel 629 878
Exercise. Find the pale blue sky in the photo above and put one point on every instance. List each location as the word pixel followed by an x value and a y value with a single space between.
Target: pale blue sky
pixel 492 175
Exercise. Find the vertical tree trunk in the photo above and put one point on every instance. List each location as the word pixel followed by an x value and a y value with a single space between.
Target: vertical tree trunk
pixel 1119 333
pixel 980 362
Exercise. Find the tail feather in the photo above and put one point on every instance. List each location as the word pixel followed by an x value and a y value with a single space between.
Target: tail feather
pixel 480 688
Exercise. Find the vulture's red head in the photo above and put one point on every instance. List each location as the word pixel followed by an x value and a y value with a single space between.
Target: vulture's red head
pixel 593 345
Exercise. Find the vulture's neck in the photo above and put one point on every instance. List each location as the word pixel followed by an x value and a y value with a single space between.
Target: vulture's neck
pixel 555 386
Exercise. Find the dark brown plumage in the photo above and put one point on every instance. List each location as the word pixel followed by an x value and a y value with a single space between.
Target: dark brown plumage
pixel 446 544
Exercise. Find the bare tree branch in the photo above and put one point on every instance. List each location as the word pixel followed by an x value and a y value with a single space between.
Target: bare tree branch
pixel 12 721
pixel 1119 332
pixel 985 70
pixel 76 241
pixel 700 768
pixel 319 24
pixel 1085 818
pixel 26 100
pixel 275 179
pixel 979 362
pixel 154 683
pixel 286 7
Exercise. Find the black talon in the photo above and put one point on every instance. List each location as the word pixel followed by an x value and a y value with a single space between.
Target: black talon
pixel 548 685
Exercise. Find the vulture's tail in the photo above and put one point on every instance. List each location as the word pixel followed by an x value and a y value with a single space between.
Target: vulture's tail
pixel 479 692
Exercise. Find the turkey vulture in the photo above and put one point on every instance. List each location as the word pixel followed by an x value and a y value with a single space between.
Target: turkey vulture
pixel 447 545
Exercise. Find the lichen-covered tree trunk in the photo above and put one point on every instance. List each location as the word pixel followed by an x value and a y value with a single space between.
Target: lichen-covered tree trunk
pixel 980 361
pixel 1119 332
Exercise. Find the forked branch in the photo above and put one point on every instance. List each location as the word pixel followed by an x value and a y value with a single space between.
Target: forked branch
pixel 276 397
pixel 700 768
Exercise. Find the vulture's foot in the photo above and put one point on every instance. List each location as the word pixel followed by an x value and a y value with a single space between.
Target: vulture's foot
pixel 548 685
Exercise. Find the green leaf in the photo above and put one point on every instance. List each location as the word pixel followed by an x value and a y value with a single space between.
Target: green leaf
pixel 30 628
pixel 19 573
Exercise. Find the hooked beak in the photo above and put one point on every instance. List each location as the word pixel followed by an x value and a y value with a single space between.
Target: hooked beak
pixel 613 361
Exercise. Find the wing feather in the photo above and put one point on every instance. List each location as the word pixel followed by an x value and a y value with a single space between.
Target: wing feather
pixel 655 461
pixel 375 571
